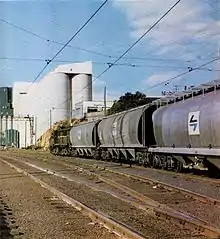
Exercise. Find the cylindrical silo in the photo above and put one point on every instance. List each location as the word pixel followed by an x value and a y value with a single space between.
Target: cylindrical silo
pixel 81 88
pixel 53 97
pixel 53 102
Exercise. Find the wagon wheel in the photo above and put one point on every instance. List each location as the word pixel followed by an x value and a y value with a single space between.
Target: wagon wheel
pixel 56 151
pixel 178 166
pixel 155 161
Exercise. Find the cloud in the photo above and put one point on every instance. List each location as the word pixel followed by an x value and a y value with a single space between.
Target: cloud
pixel 98 95
pixel 188 25
pixel 158 78
pixel 98 91
pixel 99 83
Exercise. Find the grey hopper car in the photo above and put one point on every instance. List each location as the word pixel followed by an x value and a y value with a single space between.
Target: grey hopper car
pixel 83 138
pixel 190 128
pixel 185 132
pixel 126 134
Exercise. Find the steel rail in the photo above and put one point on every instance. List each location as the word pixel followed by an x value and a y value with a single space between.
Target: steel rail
pixel 159 210
pixel 189 193
pixel 184 175
pixel 111 224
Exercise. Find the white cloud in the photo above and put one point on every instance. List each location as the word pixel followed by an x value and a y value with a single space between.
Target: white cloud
pixel 98 91
pixel 190 23
pixel 99 84
pixel 158 78
pixel 98 95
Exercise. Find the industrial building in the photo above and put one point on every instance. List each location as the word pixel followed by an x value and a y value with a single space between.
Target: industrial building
pixel 38 105
pixel 28 109
pixel 7 133
pixel 89 109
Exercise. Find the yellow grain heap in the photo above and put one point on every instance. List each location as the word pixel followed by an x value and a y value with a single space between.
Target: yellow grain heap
pixel 44 141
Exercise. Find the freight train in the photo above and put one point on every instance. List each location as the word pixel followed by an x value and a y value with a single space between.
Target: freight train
pixel 175 132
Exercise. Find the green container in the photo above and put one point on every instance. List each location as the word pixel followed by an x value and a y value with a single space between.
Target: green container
pixel 12 138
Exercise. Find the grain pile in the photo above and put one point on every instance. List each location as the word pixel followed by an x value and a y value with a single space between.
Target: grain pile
pixel 44 141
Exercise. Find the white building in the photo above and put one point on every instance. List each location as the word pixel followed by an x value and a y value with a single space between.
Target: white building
pixel 53 98
pixel 83 108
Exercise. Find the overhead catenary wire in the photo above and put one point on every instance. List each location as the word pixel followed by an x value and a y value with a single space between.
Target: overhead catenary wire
pixel 139 39
pixel 92 51
pixel 182 74
pixel 131 47
pixel 50 40
pixel 123 64
pixel 74 35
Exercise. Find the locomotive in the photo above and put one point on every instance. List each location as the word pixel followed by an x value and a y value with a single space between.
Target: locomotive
pixel 175 132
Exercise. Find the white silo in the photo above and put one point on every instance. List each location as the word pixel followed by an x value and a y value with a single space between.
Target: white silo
pixel 53 98
pixel 81 88
pixel 53 89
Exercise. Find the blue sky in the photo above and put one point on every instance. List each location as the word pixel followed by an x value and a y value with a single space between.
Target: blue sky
pixel 188 37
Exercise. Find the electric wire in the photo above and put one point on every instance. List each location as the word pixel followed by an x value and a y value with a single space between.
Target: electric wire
pixel 74 35
pixel 132 46
pixel 49 40
pixel 62 48
pixel 182 74
pixel 91 51
pixel 124 64
pixel 138 40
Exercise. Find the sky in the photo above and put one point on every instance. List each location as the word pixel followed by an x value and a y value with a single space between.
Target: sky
pixel 186 38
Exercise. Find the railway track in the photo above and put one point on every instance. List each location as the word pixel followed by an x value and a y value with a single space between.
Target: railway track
pixel 108 167
pixel 113 225
pixel 186 174
pixel 196 195
pixel 189 193
pixel 160 210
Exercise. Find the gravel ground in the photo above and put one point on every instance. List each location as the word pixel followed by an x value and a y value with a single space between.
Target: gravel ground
pixel 178 201
pixel 41 215
pixel 195 185
pixel 144 223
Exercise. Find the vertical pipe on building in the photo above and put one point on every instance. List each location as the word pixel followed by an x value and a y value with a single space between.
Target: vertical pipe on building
pixel 12 132
pixel 35 120
pixel 31 122
pixel 25 133
pixel 69 99
pixel 19 138
pixel 6 130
